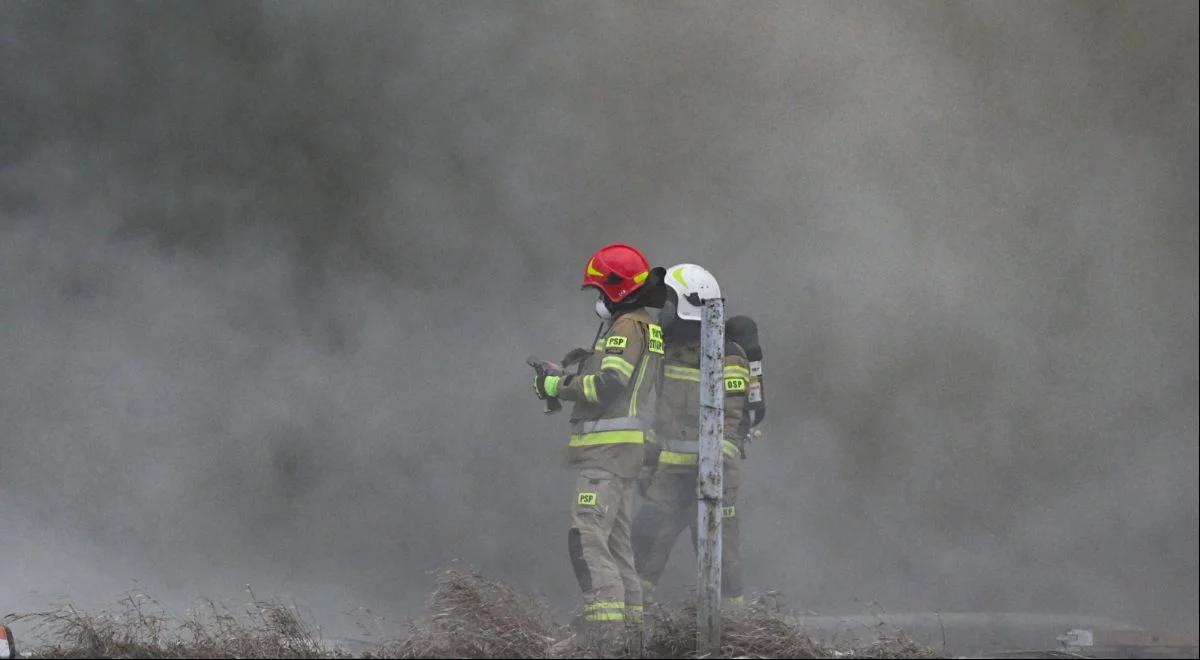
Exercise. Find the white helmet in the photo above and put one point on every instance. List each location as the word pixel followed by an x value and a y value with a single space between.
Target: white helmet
pixel 693 285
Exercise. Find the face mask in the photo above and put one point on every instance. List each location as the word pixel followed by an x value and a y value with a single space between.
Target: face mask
pixel 602 309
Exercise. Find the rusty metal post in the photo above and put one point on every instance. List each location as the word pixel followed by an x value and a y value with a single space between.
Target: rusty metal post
pixel 708 484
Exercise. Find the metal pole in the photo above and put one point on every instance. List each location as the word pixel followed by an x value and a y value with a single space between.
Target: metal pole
pixel 708 481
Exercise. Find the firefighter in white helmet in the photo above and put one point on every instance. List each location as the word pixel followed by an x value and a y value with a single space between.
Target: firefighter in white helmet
pixel 670 497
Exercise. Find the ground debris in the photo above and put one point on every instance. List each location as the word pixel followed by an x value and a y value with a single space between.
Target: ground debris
pixel 141 628
pixel 468 616
pixel 471 616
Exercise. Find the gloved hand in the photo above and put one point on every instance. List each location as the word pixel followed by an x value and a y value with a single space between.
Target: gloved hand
pixel 546 386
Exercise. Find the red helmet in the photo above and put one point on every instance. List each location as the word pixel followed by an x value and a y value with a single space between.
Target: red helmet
pixel 617 270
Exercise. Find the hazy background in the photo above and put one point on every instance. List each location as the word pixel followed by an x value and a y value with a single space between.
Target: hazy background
pixel 268 274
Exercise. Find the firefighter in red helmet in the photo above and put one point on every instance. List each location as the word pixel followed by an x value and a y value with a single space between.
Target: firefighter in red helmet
pixel 612 390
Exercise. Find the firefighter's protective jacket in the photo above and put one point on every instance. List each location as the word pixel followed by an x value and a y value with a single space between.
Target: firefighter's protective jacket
pixel 614 396
pixel 677 414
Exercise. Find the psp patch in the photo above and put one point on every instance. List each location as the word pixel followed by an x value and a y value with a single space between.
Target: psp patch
pixel 587 499
pixel 735 384
pixel 615 345
pixel 728 512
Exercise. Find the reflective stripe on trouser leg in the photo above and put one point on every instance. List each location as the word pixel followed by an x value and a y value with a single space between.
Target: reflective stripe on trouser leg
pixel 594 512
pixel 604 610
pixel 663 516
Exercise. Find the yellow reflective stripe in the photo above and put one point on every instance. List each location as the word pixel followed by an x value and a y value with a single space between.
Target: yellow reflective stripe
pixel 608 438
pixel 676 458
pixel 735 601
pixel 736 378
pixel 605 605
pixel 589 388
pixel 634 608
pixel 676 372
pixel 605 610
pixel 680 458
pixel 637 388
pixel 734 375
pixel 618 364
pixel 641 277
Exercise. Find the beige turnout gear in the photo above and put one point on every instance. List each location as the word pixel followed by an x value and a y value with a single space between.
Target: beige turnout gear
pixel 601 548
pixel 614 402
pixel 670 504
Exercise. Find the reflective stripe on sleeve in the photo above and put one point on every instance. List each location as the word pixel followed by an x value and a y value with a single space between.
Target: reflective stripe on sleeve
pixel 617 364
pixel 589 388
pixel 734 371
pixel 729 449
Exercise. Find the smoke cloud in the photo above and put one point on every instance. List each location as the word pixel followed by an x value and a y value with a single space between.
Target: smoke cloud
pixel 268 274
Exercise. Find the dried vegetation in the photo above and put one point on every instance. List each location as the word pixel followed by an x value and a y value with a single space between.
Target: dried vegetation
pixel 468 616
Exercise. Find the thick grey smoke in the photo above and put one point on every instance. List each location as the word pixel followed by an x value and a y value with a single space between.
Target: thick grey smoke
pixel 268 274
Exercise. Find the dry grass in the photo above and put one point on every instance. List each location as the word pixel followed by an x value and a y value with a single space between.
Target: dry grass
pixel 469 616
pixel 141 628
pixel 473 617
